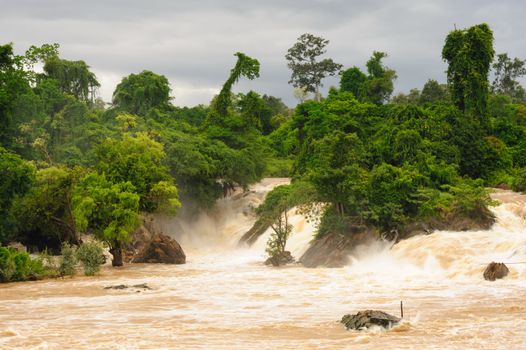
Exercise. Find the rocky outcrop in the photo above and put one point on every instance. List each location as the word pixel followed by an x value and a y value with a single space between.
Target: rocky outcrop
pixel 482 221
pixel 148 247
pixel 283 258
pixel 161 249
pixel 368 318
pixel 333 250
pixel 495 271
pixel 252 235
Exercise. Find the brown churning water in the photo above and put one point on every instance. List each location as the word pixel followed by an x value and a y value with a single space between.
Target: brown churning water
pixel 225 298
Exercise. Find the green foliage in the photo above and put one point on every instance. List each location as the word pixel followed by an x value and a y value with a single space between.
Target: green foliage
pixel 46 209
pixel 109 209
pixel 376 87
pixel 433 92
pixel 68 260
pixel 380 81
pixel 18 266
pixel 275 211
pixel 469 53
pixel 13 84
pixel 141 161
pixel 139 93
pixel 245 66
pixel 354 80
pixel 91 256
pixel 73 77
pixel 307 70
pixel 16 178
pixel 507 73
pixel 519 183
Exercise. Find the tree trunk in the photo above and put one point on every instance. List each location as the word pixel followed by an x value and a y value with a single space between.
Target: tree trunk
pixel 117 256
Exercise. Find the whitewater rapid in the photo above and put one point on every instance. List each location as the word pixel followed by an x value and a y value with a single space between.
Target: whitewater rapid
pixel 225 298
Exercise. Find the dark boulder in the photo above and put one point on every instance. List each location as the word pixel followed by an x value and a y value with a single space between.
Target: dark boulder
pixel 148 246
pixel 495 271
pixel 283 258
pixel 368 318
pixel 333 250
pixel 160 249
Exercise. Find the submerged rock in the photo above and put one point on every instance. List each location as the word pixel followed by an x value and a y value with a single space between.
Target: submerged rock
pixel 280 259
pixel 333 250
pixel 495 271
pixel 368 318
pixel 124 286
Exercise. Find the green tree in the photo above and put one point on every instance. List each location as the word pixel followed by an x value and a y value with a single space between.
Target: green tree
pixel 46 210
pixel 139 93
pixel 142 162
pixel 245 66
pixel 413 97
pixel 74 77
pixel 433 92
pixel 354 80
pixel 110 210
pixel 307 70
pixel 376 87
pixel 507 73
pixel 274 210
pixel 13 85
pixel 16 178
pixel 469 53
pixel 380 80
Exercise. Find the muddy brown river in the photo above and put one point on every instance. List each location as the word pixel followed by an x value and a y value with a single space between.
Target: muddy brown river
pixel 225 298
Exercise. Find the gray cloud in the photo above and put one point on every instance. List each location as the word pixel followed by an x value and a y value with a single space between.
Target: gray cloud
pixel 192 42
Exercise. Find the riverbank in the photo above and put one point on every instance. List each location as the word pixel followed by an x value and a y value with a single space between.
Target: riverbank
pixel 236 302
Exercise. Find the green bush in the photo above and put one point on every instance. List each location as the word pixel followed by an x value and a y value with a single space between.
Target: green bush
pixel 19 266
pixel 91 256
pixel 68 260
pixel 279 167
pixel 519 184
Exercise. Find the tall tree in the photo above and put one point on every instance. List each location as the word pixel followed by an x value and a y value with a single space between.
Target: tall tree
pixel 307 70
pixel 376 87
pixel 46 210
pixel 13 84
pixel 139 93
pixel 16 178
pixel 108 209
pixel 245 66
pixel 74 77
pixel 469 53
pixel 433 92
pixel 353 80
pixel 142 162
pixel 380 83
pixel 507 73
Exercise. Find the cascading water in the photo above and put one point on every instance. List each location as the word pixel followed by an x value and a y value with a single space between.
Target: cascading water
pixel 225 298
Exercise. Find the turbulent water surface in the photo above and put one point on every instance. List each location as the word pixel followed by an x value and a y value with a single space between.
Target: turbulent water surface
pixel 225 298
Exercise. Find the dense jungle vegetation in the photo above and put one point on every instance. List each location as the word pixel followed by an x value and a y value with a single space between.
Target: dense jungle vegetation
pixel 71 163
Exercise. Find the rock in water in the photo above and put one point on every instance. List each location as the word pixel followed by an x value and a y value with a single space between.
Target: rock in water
pixel 368 318
pixel 160 249
pixel 495 271
pixel 280 259
pixel 147 246
pixel 333 250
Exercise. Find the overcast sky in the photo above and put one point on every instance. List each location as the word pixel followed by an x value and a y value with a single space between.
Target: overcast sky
pixel 192 42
